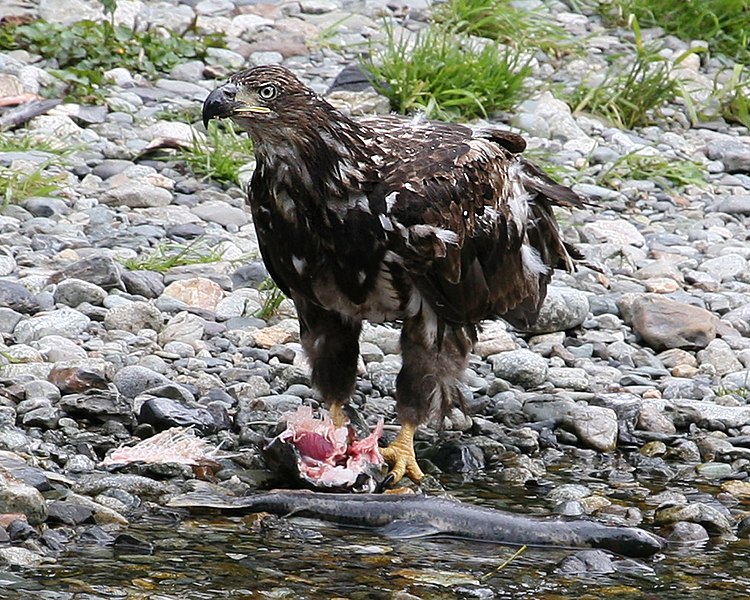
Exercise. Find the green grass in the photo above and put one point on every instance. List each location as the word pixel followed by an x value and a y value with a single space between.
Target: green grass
pixel 183 114
pixel 16 187
pixel 734 97
pixel 723 24
pixel 166 256
pixel 220 155
pixel 273 299
pixel 669 174
pixel 80 53
pixel 633 89
pixel 446 75
pixel 741 392
pixel 24 142
pixel 561 172
pixel 500 20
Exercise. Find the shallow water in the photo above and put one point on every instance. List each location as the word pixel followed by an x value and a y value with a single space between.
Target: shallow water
pixel 215 556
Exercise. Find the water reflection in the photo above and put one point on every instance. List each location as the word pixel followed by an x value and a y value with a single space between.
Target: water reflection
pixel 212 557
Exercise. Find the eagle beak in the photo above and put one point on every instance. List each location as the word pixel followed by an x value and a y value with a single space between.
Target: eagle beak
pixel 222 103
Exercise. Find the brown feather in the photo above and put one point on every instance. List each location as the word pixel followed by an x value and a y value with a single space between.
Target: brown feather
pixel 436 225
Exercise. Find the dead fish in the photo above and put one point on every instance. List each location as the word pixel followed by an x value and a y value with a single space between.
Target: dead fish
pixel 177 445
pixel 316 454
pixel 412 515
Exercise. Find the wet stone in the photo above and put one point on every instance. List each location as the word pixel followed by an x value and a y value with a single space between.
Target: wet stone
pixel 453 457
pixel 587 563
pixel 163 413
pixel 595 426
pixel 69 513
pixel 17 497
pixel 101 406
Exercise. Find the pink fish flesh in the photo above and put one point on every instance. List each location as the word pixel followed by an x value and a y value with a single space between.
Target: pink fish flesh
pixel 329 456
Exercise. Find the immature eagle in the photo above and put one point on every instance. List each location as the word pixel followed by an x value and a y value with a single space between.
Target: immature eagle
pixel 435 225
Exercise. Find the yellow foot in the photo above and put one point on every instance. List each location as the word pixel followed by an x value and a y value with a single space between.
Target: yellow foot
pixel 337 415
pixel 400 456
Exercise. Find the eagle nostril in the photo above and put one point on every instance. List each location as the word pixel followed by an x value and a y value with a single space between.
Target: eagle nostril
pixel 229 90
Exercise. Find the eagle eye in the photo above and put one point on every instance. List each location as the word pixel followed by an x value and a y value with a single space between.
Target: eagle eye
pixel 268 92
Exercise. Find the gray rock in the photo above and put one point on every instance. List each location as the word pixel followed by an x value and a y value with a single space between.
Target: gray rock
pixel 614 231
pixel 711 518
pixel 586 563
pixel 183 327
pixel 651 418
pixel 682 387
pixel 543 408
pixel 101 406
pixel 133 317
pixel 522 367
pixel 17 557
pixel 133 380
pixel 7 263
pixel 191 70
pixel 216 211
pixel 568 378
pixel 739 318
pixel 567 491
pixel 100 270
pixel 550 118
pixel 370 352
pixel 72 292
pixel 9 318
pixel 148 284
pixel 731 152
pixel 597 192
pixel 16 297
pixel 44 417
pixel 111 167
pixel 41 390
pixel 665 323
pixel 721 356
pixel 64 322
pixel 738 381
pixel 280 403
pixel 227 58
pixel 163 413
pixel 17 497
pixel 137 195
pixel 55 348
pixel 732 205
pixel 46 207
pixel 563 309
pixel 728 266
pixel 705 413
pixel 684 532
pixel 595 426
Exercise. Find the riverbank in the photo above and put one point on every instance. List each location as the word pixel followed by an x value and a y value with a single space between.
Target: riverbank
pixel 636 380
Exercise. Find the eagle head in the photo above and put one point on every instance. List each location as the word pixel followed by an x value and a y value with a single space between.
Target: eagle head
pixel 261 97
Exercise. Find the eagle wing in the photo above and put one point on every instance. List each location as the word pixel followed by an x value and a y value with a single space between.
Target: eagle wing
pixel 471 220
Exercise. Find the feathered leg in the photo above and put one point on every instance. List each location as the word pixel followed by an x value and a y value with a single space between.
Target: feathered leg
pixel 426 384
pixel 331 342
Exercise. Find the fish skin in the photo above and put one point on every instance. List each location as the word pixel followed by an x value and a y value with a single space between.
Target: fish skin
pixel 435 516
